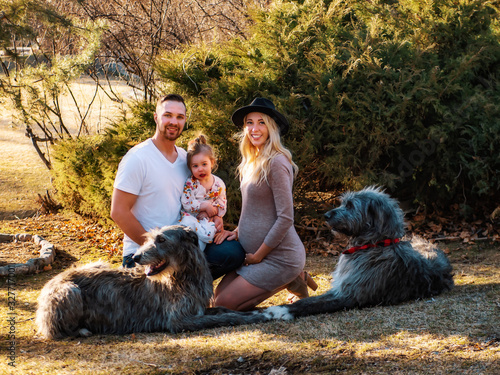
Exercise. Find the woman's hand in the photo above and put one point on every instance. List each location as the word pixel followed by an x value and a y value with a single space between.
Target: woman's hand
pixel 252 259
pixel 258 256
pixel 225 235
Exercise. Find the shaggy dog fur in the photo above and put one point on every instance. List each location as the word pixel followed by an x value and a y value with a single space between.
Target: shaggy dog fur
pixel 382 273
pixel 170 293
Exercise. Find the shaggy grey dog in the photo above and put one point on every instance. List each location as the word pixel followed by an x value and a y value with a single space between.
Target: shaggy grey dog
pixel 170 293
pixel 379 267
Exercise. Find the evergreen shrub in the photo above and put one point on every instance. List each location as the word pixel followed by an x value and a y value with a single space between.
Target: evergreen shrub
pixel 403 94
pixel 84 169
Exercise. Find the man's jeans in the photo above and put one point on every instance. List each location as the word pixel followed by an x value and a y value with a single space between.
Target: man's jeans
pixel 222 258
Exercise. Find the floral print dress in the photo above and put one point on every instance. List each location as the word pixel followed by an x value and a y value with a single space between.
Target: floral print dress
pixel 193 195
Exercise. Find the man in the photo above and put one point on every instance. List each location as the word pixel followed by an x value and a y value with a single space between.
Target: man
pixel 148 187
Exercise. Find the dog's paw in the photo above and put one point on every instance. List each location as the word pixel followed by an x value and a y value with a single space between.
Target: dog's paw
pixel 84 332
pixel 278 313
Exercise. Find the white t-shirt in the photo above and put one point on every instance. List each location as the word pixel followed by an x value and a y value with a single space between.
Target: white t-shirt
pixel 157 182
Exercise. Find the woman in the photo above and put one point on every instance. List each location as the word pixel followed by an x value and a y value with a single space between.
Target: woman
pixel 275 255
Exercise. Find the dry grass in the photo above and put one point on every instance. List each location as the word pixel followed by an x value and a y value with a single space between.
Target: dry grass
pixel 457 332
pixel 103 109
pixel 22 173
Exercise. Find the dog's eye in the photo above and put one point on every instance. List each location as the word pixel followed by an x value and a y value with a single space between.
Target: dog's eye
pixel 160 239
pixel 349 205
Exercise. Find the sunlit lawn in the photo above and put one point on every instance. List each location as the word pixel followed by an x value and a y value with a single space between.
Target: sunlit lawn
pixel 453 333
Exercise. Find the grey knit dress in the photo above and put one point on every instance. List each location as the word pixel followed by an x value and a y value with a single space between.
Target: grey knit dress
pixel 267 217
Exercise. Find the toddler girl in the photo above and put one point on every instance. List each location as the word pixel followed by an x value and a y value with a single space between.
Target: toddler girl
pixel 204 195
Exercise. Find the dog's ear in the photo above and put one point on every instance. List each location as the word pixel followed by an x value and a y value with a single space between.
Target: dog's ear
pixel 386 217
pixel 372 212
pixel 191 235
pixel 378 215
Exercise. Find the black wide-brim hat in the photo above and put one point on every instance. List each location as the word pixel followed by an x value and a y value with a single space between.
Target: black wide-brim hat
pixel 261 105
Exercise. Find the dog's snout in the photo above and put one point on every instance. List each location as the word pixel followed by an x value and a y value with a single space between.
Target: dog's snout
pixel 329 215
pixel 137 258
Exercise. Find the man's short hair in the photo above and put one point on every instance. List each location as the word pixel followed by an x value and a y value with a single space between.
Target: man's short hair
pixel 172 97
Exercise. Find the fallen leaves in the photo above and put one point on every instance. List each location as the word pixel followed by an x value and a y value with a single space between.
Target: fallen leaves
pixel 450 226
pixel 71 233
pixel 18 252
pixel 437 226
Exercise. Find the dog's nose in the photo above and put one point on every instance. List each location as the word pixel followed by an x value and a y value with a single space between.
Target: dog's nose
pixel 137 258
pixel 329 215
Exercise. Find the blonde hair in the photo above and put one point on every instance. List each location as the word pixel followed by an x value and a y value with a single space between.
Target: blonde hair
pixel 256 163
pixel 197 146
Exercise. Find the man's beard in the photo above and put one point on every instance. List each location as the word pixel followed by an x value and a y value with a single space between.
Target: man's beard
pixel 170 137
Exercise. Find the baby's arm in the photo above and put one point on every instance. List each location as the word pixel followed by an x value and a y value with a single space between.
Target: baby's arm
pixel 206 207
pixel 189 202
pixel 216 201
pixel 220 200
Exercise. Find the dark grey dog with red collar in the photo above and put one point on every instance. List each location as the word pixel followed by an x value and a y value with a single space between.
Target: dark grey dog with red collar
pixel 379 267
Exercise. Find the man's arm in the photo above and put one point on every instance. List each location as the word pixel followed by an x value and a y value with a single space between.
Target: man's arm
pixel 121 213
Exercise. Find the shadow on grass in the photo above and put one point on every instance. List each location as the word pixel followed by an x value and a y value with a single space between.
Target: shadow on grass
pixel 167 353
pixel 450 332
pixel 63 260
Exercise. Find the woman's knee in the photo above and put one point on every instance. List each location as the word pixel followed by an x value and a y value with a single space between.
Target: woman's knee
pixel 223 300
pixel 233 293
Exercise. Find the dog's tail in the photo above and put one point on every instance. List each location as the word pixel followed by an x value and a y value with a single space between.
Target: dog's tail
pixel 322 304
pixel 60 308
pixel 218 317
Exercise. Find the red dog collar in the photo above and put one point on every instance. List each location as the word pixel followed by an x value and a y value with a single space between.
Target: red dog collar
pixel 383 243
